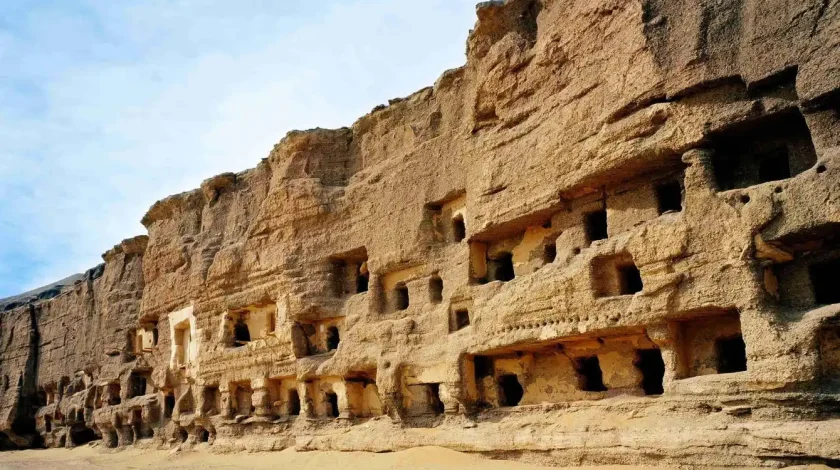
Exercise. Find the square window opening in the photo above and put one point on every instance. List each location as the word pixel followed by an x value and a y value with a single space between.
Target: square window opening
pixel 824 282
pixel 669 197
pixel 652 367
pixel 630 279
pixel 401 300
pixel 590 376
pixel 596 225
pixel 501 268
pixel 460 319
pixel 512 391
pixel 459 229
pixel 731 354
pixel 436 289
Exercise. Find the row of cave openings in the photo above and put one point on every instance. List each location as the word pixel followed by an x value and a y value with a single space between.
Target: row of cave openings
pixel 768 149
pixel 97 397
pixel 764 150
pixel 616 275
pixel 595 367
pixel 281 397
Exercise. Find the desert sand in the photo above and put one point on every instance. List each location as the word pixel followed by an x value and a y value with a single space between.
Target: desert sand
pixel 88 457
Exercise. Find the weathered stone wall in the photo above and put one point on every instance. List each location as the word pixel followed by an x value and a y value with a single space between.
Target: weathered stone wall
pixel 612 236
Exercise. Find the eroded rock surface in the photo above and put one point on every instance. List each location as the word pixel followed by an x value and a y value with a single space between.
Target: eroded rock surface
pixel 611 237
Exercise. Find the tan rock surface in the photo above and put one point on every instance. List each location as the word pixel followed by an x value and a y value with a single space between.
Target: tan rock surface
pixel 610 238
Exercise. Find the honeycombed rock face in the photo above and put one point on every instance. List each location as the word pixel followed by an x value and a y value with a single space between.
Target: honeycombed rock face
pixel 611 237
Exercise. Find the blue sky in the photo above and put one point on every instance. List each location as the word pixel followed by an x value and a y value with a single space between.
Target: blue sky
pixel 107 106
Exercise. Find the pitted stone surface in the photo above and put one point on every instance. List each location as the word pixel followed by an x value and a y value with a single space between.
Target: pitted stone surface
pixel 611 237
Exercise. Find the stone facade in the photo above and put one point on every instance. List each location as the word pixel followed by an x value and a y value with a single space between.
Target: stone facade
pixel 613 236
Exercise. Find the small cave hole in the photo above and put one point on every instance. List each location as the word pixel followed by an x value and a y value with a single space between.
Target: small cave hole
pixel 460 319
pixel 502 267
pixel 669 197
pixel 483 366
pixel 550 253
pixel 731 355
pixel 772 148
pixel 821 169
pixel 824 282
pixel 459 229
pixel 203 435
pixel 401 300
pixel 436 289
pixel 596 225
pixel 590 375
pixel 650 363
pixel 362 281
pixel 435 403
pixel 137 385
pixel 168 405
pixel 333 338
pixel 294 403
pixel 332 404
pixel 745 198
pixel 512 390
pixel 241 333
pixel 630 279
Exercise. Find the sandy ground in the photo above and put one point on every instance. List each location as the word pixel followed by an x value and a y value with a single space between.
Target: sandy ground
pixel 87 457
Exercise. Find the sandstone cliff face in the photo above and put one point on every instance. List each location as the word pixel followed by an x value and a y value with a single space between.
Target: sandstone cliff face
pixel 612 236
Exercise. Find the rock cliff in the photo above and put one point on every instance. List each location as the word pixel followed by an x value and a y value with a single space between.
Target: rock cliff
pixel 613 236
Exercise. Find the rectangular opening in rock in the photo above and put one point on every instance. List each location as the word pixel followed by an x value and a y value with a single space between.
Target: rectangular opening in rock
pixel 318 337
pixel 168 404
pixel 241 333
pixel 824 280
pixel 242 392
pixel 182 344
pixel 459 229
pixel 333 338
pixel 138 383
pixel 596 225
pixel 511 390
pixel 435 402
pixel 770 148
pixel 669 197
pixel 401 299
pixel 331 404
pixel 731 354
pixel 483 367
pixel 590 376
pixel 806 276
pixel 615 275
pixel 349 273
pixel 711 343
pixel 460 319
pixel 435 289
pixel 650 363
pixel 445 218
pixel 212 401
pixel 294 403
pixel 500 267
pixel 631 279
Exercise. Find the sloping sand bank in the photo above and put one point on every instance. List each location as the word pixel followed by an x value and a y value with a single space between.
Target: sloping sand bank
pixel 421 458
pixel 431 458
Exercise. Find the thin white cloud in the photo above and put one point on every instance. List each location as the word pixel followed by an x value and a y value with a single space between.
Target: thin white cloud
pixel 108 106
